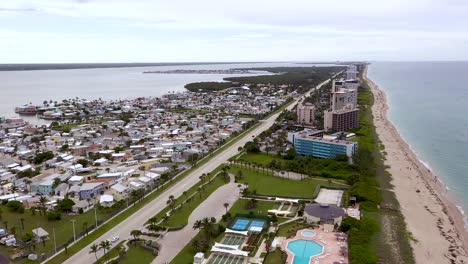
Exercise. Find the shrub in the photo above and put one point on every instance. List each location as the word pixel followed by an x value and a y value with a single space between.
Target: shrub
pixel 348 223
pixel 15 206
pixel 53 216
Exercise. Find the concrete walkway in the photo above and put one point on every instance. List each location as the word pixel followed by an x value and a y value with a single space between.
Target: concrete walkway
pixel 173 242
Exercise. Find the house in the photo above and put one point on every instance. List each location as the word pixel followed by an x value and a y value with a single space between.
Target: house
pixel 112 175
pixel 153 176
pixel 83 205
pixel 119 191
pixel 134 185
pixel 45 187
pixel 74 190
pixel 101 162
pixel 61 189
pixel 323 213
pixel 75 180
pixel 74 168
pixel 106 200
pixel 91 190
pixel 145 180
pixel 40 234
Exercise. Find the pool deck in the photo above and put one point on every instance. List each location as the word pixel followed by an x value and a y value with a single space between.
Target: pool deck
pixel 328 240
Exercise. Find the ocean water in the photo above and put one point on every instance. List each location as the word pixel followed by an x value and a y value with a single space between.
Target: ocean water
pixel 429 105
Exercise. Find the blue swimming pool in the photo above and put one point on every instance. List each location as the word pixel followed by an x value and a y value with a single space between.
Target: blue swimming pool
pixel 308 233
pixel 303 250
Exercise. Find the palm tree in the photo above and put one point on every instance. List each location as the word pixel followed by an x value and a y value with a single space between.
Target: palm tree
pixel 202 177
pixel 43 201
pixel 105 245
pixel 153 220
pixel 122 251
pixel 85 227
pixel 226 205
pixel 22 223
pixel 197 225
pixel 94 249
pixel 13 189
pixel 171 202
pixel 135 233
pixel 28 184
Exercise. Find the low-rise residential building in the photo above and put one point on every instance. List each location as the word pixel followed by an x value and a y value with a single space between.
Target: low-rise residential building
pixel 45 187
pixel 119 191
pixel 91 190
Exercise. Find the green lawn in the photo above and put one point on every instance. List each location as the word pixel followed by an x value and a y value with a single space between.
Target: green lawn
pixel 137 254
pixel 180 216
pixel 265 184
pixel 63 228
pixel 258 158
pixel 291 228
pixel 274 257
pixel 262 207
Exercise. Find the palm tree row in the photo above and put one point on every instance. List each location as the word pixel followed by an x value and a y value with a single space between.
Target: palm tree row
pixel 104 245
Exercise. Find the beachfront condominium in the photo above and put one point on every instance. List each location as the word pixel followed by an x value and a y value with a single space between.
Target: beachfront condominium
pixel 351 72
pixel 310 144
pixel 343 113
pixel 306 114
pixel 340 120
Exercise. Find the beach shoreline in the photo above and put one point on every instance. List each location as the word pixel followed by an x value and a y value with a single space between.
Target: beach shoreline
pixel 436 223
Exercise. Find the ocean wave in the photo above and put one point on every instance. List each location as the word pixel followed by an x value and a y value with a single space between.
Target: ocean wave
pixel 465 219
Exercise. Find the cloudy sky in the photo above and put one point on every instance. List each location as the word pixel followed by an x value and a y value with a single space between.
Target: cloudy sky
pixel 241 30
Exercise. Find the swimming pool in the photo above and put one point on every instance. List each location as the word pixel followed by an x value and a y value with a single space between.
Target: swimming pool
pixel 303 250
pixel 308 233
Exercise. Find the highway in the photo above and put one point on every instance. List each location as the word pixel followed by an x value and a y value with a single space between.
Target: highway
pixel 138 219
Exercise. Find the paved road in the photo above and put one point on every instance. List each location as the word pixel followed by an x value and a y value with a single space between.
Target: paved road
pixel 138 219
pixel 213 206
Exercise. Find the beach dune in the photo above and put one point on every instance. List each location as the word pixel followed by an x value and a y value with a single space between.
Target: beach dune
pixel 433 219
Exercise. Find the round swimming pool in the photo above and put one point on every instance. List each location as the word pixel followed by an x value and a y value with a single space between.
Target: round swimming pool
pixel 308 233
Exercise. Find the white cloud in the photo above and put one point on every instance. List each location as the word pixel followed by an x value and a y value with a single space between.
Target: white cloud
pixel 157 30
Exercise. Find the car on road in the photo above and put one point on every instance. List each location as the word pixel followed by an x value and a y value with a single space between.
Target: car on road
pixel 114 239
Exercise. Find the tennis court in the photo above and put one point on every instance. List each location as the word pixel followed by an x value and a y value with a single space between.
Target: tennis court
pixel 225 259
pixel 257 223
pixel 240 224
pixel 233 240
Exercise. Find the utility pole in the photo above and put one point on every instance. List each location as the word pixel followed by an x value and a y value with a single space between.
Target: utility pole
pixel 74 233
pixel 95 215
pixel 55 241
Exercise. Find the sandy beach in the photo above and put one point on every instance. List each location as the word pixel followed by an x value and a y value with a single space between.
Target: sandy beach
pixel 431 216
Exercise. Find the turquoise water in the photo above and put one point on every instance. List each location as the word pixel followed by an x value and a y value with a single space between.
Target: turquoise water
pixel 428 105
pixel 308 233
pixel 303 250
